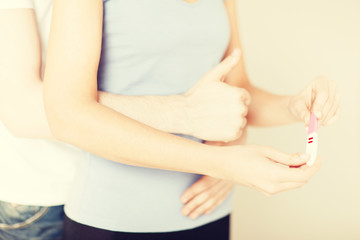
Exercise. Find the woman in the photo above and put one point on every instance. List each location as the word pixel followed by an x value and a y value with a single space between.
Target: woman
pixel 40 169
pixel 157 48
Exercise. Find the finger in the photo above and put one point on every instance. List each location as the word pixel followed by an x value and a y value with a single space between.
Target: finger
pixel 285 158
pixel 245 96
pixel 299 175
pixel 227 64
pixel 244 123
pixel 200 199
pixel 199 186
pixel 321 94
pixel 331 113
pixel 330 102
pixel 244 110
pixel 221 188
pixel 301 109
pixel 335 118
pixel 237 136
pixel 226 193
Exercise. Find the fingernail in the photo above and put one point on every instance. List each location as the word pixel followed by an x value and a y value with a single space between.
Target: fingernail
pixel 304 156
pixel 183 200
pixel 185 212
pixel 193 216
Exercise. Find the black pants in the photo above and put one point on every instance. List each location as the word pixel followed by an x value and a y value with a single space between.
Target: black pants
pixel 218 230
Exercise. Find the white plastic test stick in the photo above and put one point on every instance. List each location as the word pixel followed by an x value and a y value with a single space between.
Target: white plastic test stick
pixel 312 140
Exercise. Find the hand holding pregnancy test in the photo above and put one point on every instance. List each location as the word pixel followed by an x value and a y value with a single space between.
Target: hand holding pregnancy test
pixel 312 139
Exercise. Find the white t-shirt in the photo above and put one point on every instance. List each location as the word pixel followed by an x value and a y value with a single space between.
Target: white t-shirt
pixel 33 171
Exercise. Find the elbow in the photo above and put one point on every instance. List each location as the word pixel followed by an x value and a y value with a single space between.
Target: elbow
pixel 66 119
pixel 15 124
pixel 58 122
pixel 56 110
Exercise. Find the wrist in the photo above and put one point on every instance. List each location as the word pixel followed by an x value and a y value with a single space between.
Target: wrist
pixel 216 163
pixel 177 120
pixel 288 104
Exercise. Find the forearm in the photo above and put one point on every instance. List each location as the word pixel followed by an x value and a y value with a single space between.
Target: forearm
pixel 165 113
pixel 75 115
pixel 268 109
pixel 127 141
pixel 25 117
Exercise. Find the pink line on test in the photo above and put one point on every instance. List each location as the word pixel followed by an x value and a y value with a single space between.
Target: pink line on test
pixel 313 124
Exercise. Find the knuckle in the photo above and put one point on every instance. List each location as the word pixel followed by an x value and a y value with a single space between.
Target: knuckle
pixel 244 123
pixel 228 135
pixel 197 201
pixel 242 109
pixel 205 195
pixel 244 93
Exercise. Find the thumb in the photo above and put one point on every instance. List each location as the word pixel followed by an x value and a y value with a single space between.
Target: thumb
pixel 285 158
pixel 226 65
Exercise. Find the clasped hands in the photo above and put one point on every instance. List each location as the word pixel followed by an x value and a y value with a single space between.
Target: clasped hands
pixel 217 112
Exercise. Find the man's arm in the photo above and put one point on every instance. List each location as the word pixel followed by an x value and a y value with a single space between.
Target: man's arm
pixel 194 113
pixel 21 96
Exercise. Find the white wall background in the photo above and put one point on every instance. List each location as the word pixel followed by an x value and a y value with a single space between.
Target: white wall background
pixel 287 43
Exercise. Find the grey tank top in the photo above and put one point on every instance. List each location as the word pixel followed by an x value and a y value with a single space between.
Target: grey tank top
pixel 150 47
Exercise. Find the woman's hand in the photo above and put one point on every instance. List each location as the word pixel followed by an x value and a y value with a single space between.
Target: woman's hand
pixel 320 97
pixel 264 168
pixel 204 196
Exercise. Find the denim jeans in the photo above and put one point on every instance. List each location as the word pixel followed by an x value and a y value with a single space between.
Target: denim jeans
pixel 22 222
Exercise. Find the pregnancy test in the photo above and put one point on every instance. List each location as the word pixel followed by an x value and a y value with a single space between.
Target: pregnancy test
pixel 312 140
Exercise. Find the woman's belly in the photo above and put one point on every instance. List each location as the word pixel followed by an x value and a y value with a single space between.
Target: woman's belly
pixel 119 197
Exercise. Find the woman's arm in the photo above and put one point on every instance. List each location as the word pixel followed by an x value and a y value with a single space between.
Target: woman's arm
pixel 268 109
pixel 76 117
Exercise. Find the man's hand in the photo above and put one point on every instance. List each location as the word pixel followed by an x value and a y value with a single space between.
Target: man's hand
pixel 216 111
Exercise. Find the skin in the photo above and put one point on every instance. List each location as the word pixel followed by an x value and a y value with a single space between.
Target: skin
pixel 266 109
pixel 114 101
pixel 22 86
pixel 76 117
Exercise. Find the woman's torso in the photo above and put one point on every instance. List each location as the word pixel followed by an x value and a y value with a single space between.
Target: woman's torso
pixel 157 47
